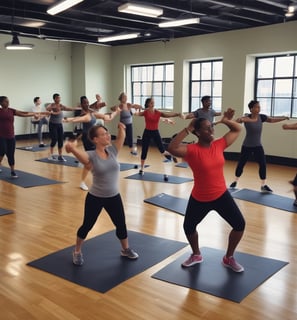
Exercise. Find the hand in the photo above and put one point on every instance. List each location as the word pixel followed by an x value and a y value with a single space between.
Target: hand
pixel 121 126
pixel 98 97
pixel 229 114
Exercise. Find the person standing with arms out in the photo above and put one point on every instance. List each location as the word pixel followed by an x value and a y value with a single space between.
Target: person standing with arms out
pixel 56 126
pixel 292 126
pixel 205 112
pixel 88 119
pixel 38 119
pixel 104 192
pixel 152 117
pixel 7 137
pixel 252 144
pixel 206 159
pixel 126 117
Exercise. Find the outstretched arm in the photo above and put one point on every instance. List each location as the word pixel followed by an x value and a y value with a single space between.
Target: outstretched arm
pixel 171 114
pixel 28 114
pixel 291 126
pixel 276 119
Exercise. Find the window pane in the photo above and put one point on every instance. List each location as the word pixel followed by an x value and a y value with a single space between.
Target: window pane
pixel 217 88
pixel 147 74
pixel 217 104
pixel 137 100
pixel 169 72
pixel 136 89
pixel 135 74
pixel 159 73
pixel 206 71
pixel 196 89
pixel 168 103
pixel 264 88
pixel 217 70
pixel 294 112
pixel 168 89
pixel 265 68
pixel 195 71
pixel 195 104
pixel 146 89
pixel 157 89
pixel 158 102
pixel 265 106
pixel 205 88
pixel 283 88
pixel 282 107
pixel 284 66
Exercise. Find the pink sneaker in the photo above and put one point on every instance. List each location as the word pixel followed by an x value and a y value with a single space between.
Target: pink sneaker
pixel 192 260
pixel 232 264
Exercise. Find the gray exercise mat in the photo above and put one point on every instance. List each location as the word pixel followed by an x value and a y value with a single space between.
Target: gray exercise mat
pixel 266 199
pixel 129 166
pixel 25 179
pixel 33 148
pixel 5 211
pixel 213 278
pixel 169 202
pixel 157 177
pixel 70 161
pixel 104 268
pixel 182 165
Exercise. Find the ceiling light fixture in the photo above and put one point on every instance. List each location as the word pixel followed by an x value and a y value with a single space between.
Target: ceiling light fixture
pixel 290 11
pixel 118 37
pixel 62 5
pixel 140 10
pixel 178 23
pixel 16 45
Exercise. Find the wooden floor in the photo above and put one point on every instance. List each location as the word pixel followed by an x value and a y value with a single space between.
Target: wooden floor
pixel 45 219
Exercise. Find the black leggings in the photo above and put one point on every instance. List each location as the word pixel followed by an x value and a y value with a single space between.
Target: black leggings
pixel 114 208
pixel 146 138
pixel 7 146
pixel 129 135
pixel 225 206
pixel 56 133
pixel 259 155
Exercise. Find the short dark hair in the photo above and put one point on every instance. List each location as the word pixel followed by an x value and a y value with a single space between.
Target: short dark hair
pixel 82 98
pixel 205 98
pixel 2 98
pixel 252 103
pixel 35 99
pixel 147 101
pixel 55 95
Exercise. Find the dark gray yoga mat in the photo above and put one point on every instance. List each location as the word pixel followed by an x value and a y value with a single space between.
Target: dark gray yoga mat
pixel 33 148
pixel 157 177
pixel 129 166
pixel 71 161
pixel 213 278
pixel 182 165
pixel 104 268
pixel 5 211
pixel 169 202
pixel 266 199
pixel 25 179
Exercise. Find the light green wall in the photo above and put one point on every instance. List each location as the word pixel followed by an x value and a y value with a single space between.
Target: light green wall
pixel 77 69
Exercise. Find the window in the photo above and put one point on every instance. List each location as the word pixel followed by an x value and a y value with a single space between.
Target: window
pixel 276 85
pixel 155 81
pixel 206 80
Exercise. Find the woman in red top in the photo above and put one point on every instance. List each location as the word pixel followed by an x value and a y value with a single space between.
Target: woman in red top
pixel 151 131
pixel 7 138
pixel 206 160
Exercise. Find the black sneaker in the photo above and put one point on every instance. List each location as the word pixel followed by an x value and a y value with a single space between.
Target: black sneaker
pixel 41 145
pixel 266 189
pixel 13 175
pixel 295 203
pixel 141 172
pixel 165 177
pixel 233 185
pixel 168 157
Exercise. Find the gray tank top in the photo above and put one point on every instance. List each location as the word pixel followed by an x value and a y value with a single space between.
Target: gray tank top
pixel 105 173
pixel 209 114
pixel 254 131
pixel 88 125
pixel 126 117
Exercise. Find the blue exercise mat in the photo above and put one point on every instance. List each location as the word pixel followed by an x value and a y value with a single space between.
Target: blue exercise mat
pixel 5 211
pixel 70 161
pixel 169 202
pixel 213 278
pixel 104 268
pixel 129 166
pixel 25 179
pixel 182 165
pixel 157 177
pixel 266 199
pixel 33 148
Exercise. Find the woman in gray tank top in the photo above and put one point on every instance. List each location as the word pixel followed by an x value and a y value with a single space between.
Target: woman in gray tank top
pixel 104 192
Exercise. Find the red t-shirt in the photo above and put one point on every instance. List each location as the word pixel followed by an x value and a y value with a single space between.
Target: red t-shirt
pixel 207 164
pixel 6 123
pixel 152 119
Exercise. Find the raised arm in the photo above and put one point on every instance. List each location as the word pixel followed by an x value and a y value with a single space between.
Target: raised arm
pixel 118 143
pixel 81 155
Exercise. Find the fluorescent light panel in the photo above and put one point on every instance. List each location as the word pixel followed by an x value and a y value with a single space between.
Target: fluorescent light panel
pixel 63 5
pixel 119 37
pixel 140 10
pixel 16 45
pixel 178 23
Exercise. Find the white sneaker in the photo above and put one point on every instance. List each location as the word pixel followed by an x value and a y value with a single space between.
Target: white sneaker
pixel 83 186
pixel 52 158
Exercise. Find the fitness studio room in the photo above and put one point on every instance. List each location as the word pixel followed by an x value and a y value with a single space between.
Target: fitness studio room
pixel 103 104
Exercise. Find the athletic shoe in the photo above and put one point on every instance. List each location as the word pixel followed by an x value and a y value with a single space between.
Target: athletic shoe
pixel 266 189
pixel 232 264
pixel 133 153
pixel 233 185
pixel 129 253
pixel 77 258
pixel 295 203
pixel 41 145
pixel 61 158
pixel 168 157
pixel 141 172
pixel 13 175
pixel 165 177
pixel 83 186
pixel 192 260
pixel 174 159
pixel 52 158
